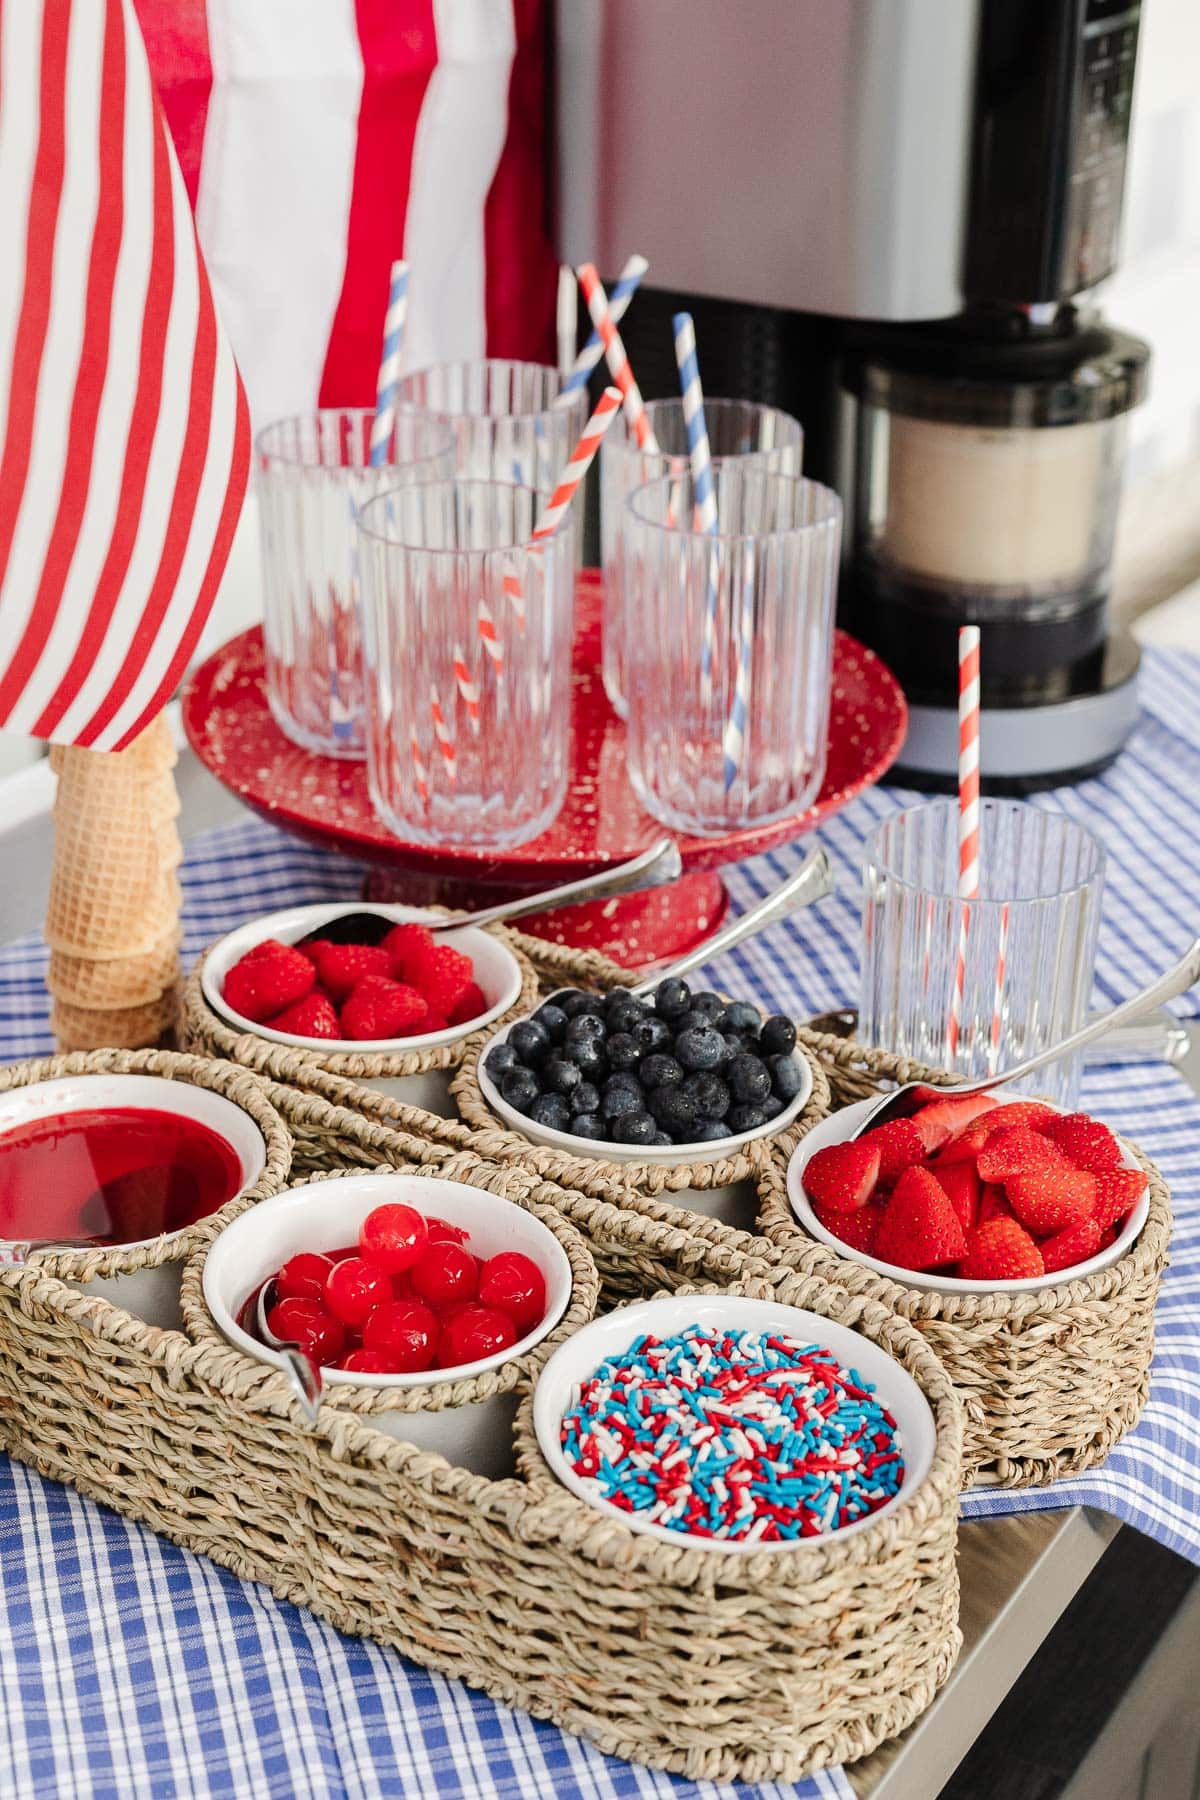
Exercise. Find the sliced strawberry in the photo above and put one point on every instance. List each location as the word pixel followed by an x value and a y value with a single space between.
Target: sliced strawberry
pixel 341 966
pixel 1048 1200
pixel 268 978
pixel 1084 1141
pixel 1074 1245
pixel 382 1008
pixel 1016 1150
pixel 900 1145
pixel 947 1116
pixel 993 1204
pixel 919 1228
pixel 857 1230
pixel 1031 1113
pixel 842 1177
pixel 966 1146
pixel 312 1017
pixel 1001 1251
pixel 469 1006
pixel 1117 1192
pixel 406 944
pixel 960 1182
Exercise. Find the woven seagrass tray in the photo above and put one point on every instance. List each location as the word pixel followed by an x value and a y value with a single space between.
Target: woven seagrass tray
pixel 758 1667
pixel 1049 1380
pixel 418 1078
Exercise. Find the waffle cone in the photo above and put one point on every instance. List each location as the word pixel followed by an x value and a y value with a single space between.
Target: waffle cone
pixel 116 982
pixel 119 1028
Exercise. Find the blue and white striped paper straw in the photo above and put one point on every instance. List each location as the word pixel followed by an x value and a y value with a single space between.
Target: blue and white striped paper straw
pixel 624 288
pixel 704 488
pixel 389 367
pixel 734 740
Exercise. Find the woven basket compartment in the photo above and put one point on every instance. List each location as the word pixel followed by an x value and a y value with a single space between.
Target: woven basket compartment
pixel 1050 1380
pixel 418 1079
pixel 756 1667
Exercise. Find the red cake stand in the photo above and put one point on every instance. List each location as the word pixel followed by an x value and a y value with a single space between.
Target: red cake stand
pixel 230 727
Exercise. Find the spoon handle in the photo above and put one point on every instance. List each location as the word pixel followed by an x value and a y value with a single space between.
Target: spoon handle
pixel 812 881
pixel 1177 980
pixel 651 868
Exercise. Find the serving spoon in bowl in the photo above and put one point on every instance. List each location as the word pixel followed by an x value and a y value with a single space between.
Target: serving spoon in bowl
pixel 301 1370
pixel 903 1101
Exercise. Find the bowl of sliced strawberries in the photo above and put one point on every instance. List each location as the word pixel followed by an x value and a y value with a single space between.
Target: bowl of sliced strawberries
pixel 971 1193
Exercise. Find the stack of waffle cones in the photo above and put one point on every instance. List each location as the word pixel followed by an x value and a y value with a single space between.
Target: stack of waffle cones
pixel 112 919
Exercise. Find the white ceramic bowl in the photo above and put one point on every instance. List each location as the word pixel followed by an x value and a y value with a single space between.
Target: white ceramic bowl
pixel 583 1353
pixel 496 971
pixel 326 1215
pixel 665 1158
pixel 842 1125
pixel 153 1293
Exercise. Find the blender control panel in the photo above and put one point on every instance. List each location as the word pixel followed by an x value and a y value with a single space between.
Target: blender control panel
pixel 1103 99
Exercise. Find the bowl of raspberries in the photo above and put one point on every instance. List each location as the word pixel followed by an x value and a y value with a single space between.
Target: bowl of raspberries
pixel 671 1077
pixel 332 979
pixel 971 1193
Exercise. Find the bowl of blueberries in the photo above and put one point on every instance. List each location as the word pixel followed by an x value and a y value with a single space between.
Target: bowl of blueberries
pixel 667 1076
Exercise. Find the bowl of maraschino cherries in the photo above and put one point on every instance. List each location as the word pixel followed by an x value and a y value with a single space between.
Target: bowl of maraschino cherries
pixel 971 1192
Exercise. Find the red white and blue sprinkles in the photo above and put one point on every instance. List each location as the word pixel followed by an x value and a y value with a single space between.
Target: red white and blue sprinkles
pixel 749 1436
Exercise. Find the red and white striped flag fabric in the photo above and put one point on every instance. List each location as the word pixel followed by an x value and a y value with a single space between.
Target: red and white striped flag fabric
pixel 124 433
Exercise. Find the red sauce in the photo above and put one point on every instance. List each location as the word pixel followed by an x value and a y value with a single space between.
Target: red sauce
pixel 112 1177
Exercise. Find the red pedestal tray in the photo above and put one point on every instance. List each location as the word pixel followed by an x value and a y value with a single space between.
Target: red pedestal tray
pixel 230 727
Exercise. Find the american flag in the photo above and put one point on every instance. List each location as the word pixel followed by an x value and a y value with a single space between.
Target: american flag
pixel 124 433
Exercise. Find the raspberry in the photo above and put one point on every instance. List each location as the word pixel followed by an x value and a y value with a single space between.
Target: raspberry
pixel 443 1274
pixel 1048 1200
pixel 515 1285
pixel 919 1228
pixel 1074 1245
pixel 842 1177
pixel 382 1008
pixel 354 1289
pixel 472 1002
pixel 1001 1251
pixel 392 1237
pixel 1084 1141
pixel 443 975
pixel 900 1145
pixel 267 979
pixel 405 1332
pixel 312 1017
pixel 340 967
pixel 1117 1191
pixel 406 945
pixel 473 1332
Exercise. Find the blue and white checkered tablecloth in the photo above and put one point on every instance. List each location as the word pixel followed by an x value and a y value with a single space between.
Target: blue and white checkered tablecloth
pixel 130 1667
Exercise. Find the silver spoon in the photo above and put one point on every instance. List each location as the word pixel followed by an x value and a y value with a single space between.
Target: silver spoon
pixel 905 1100
pixel 650 868
pixel 301 1370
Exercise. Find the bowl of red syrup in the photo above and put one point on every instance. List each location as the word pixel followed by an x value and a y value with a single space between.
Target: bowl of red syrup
pixel 470 1426
pixel 118 1163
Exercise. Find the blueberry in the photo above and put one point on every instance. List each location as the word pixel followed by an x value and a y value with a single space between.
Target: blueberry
pixel 500 1059
pixel 660 1137
pixel 787 1075
pixel 737 1041
pixel 772 1106
pixel 589 1125
pixel 520 1087
pixel 576 1003
pixel 691 1021
pixel 561 1076
pixel 778 1035
pixel 745 1118
pixel 707 1131
pixel 530 1041
pixel 634 1128
pixel 551 1110
pixel 701 1048
pixel 585 1098
pixel 657 1070
pixel 587 1028
pixel 589 1059
pixel 709 1094
pixel 672 998
pixel 626 1079
pixel 623 1011
pixel 624 1052
pixel 615 1101
pixel 651 1032
pixel 552 1019
pixel 749 1079
pixel 674 1109
pixel 708 1003
pixel 740 1015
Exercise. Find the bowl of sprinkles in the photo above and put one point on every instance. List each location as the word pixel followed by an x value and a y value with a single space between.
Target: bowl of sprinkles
pixel 722 1422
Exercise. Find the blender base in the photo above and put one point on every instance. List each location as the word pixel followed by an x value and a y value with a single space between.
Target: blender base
pixel 1023 749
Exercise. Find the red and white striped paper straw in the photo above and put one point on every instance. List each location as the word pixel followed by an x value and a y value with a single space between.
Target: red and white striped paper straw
pixel 968 807
pixel 618 360
pixel 467 688
pixel 998 1000
pixel 443 734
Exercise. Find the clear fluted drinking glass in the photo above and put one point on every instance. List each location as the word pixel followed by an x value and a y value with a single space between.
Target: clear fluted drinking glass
pixel 739 428
pixel 503 417
pixel 1028 942
pixel 313 476
pixel 728 709
pixel 467 640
